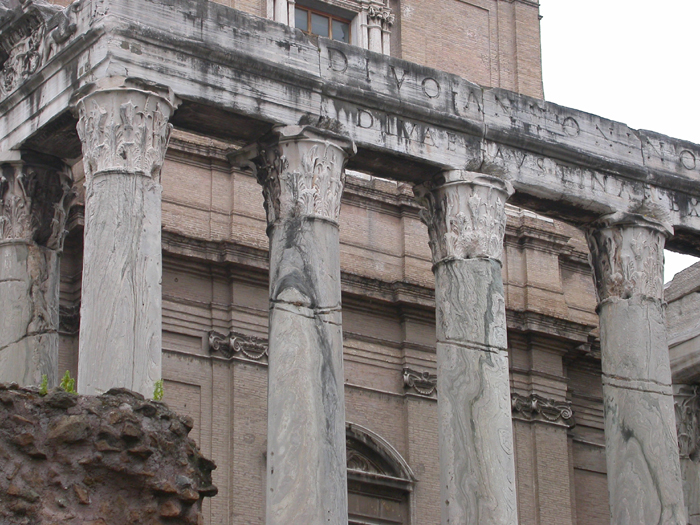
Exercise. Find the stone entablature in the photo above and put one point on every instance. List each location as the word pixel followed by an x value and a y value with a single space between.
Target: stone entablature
pixel 549 153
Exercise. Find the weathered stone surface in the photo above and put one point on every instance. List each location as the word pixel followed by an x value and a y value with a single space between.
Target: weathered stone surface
pixel 465 215
pixel 34 200
pixel 302 174
pixel 687 405
pixel 644 475
pixel 55 471
pixel 557 158
pixel 124 134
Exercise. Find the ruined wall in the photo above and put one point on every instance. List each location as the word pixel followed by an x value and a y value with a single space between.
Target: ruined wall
pixel 114 459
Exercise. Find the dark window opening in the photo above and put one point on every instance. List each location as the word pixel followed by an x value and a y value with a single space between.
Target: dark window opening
pixel 322 24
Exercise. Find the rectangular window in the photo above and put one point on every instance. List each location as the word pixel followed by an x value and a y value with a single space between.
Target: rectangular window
pixel 322 24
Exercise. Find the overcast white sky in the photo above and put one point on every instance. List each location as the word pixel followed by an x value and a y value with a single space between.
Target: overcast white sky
pixel 634 61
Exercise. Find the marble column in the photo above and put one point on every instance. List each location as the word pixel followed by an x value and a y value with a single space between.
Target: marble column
pixel 124 134
pixel 465 215
pixel 644 479
pixel 302 175
pixel 687 404
pixel 34 200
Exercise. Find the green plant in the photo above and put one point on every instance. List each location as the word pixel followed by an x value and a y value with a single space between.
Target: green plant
pixel 68 383
pixel 158 391
pixel 44 387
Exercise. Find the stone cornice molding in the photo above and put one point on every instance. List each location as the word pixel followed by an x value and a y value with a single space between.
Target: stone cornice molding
pixel 124 130
pixel 236 344
pixel 537 408
pixel 465 215
pixel 627 256
pixel 424 383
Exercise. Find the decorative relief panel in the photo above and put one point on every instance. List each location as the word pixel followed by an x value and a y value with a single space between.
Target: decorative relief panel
pixel 31 40
pixel 538 408
pixel 687 404
pixel 465 215
pixel 423 383
pixel 238 345
pixel 34 203
pixel 124 131
pixel 627 256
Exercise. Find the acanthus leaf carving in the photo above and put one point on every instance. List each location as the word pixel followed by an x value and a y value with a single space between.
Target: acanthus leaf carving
pixel 34 204
pixel 535 407
pixel 424 383
pixel 237 344
pixel 124 131
pixel 303 177
pixel 627 256
pixel 465 215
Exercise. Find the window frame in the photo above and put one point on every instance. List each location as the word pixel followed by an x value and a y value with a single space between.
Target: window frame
pixel 325 14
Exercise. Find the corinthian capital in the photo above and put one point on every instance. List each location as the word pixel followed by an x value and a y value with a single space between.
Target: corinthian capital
pixel 302 172
pixel 627 256
pixel 124 130
pixel 465 215
pixel 34 201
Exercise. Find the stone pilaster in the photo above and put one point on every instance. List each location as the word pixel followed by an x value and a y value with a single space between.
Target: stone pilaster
pixel 302 177
pixel 644 479
pixel 124 134
pixel 465 215
pixel 34 199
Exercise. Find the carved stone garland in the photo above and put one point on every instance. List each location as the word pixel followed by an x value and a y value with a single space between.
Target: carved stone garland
pixel 237 344
pixel 468 224
pixel 535 407
pixel 627 256
pixel 424 383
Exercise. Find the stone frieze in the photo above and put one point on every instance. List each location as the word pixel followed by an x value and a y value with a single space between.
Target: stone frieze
pixel 36 35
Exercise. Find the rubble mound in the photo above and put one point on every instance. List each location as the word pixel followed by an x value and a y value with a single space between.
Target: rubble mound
pixel 113 459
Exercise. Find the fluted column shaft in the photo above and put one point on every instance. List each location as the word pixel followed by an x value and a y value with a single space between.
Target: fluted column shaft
pixel 124 134
pixel 303 177
pixel 34 200
pixel 644 479
pixel 465 215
